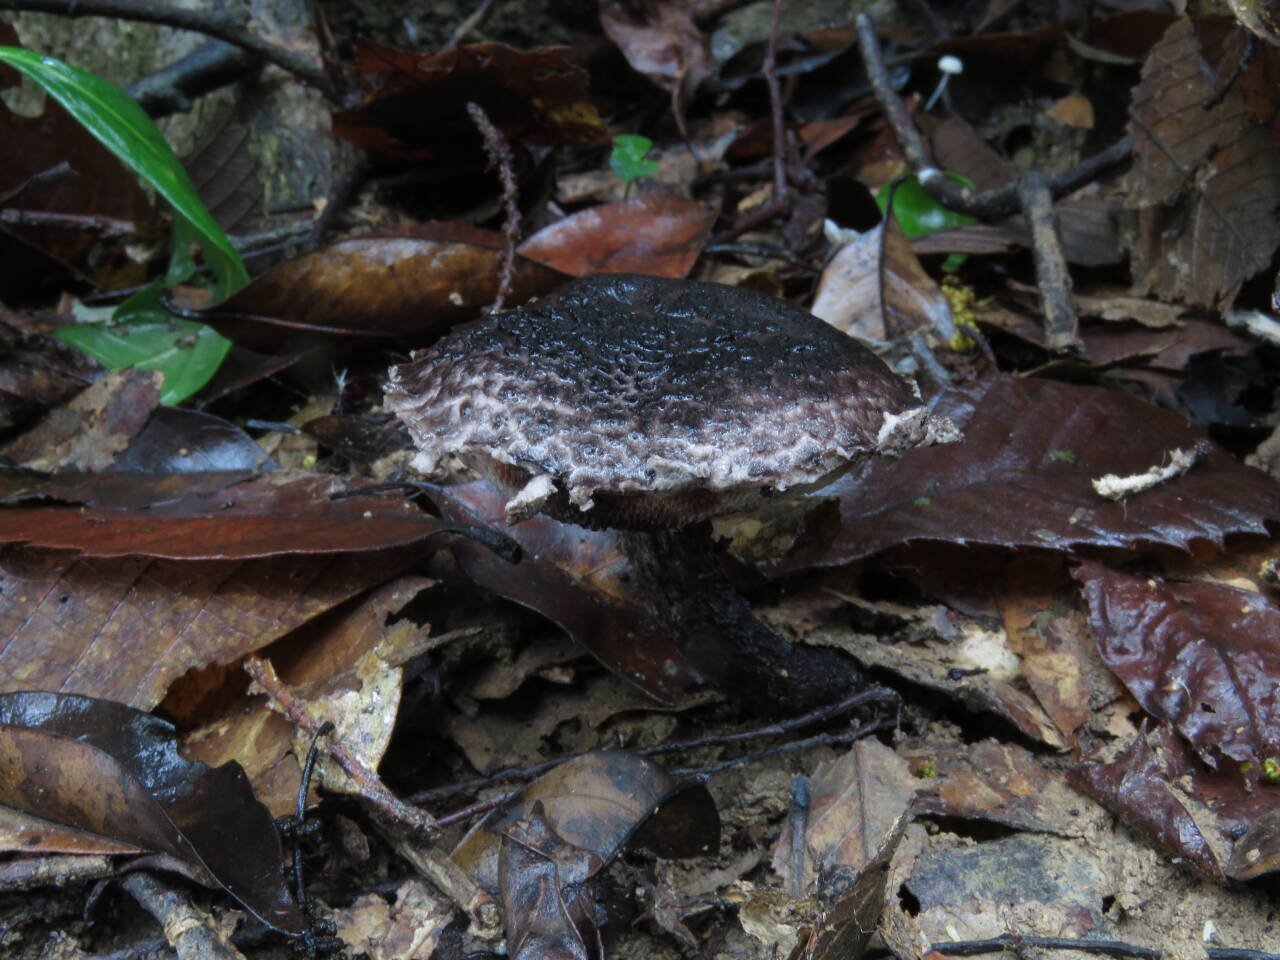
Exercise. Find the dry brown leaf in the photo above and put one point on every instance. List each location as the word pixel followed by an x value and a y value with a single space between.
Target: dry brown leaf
pixel 1206 182
pixel 875 288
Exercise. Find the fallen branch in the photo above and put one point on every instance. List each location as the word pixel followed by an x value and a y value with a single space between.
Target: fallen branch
pixel 367 783
pixel 190 931
pixel 1061 326
pixel 1102 948
pixel 227 28
pixel 209 67
pixel 994 204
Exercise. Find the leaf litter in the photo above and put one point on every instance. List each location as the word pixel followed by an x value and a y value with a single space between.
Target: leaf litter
pixel 147 557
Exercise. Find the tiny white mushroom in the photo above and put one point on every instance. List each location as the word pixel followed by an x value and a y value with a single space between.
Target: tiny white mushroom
pixel 949 66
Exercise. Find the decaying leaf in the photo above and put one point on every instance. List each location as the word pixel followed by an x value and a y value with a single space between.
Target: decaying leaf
pixel 417 109
pixel 875 288
pixel 605 239
pixel 114 771
pixel 407 928
pixel 1204 657
pixel 1208 819
pixel 544 886
pixel 859 806
pixel 599 803
pixel 661 41
pixel 1021 477
pixel 125 629
pixel 411 286
pixel 1206 181
pixel 93 427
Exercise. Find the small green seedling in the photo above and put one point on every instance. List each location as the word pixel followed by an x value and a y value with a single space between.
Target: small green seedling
pixel 918 213
pixel 140 332
pixel 629 159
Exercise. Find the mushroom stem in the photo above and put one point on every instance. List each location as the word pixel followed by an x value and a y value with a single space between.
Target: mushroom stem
pixel 714 627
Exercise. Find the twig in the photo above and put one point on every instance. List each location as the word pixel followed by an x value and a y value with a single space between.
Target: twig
pixel 495 145
pixel 1061 326
pixel 59 172
pixel 89 223
pixel 340 196
pixel 218 25
pixel 779 203
pixel 994 204
pixel 770 71
pixel 820 715
pixel 366 781
pixel 451 880
pixel 798 821
pixel 189 931
pixel 470 23
pixel 211 66
pixel 829 739
pixel 1106 948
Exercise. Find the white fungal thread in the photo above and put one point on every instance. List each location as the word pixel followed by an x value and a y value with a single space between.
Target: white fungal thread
pixel 1115 487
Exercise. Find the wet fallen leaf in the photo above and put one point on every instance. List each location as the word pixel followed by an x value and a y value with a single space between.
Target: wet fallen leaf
pixel 1021 477
pixel 1207 181
pixel 91 428
pixel 212 517
pixel 416 111
pixel 658 234
pixel 579 579
pixel 875 288
pixel 1210 820
pixel 125 629
pixel 410 286
pixel 115 771
pixel 1204 657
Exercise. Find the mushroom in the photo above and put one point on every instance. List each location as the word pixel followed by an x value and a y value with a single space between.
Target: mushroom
pixel 650 405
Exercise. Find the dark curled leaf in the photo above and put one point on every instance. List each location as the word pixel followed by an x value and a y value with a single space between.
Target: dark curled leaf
pixel 1201 656
pixel 543 884
pixel 598 803
pixel 1021 477
pixel 108 769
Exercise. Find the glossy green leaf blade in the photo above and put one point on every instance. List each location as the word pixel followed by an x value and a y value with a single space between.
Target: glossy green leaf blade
pixel 114 118
pixel 141 334
pixel 915 209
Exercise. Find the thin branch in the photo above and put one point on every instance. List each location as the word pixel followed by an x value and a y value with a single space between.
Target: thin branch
pixel 1105 948
pixel 994 204
pixel 227 28
pixel 211 66
pixel 191 932
pixel 499 152
pixel 88 223
pixel 770 71
pixel 369 786
pixel 470 23
pixel 1061 326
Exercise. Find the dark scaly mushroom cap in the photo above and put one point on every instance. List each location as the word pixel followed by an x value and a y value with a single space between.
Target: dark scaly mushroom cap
pixel 651 402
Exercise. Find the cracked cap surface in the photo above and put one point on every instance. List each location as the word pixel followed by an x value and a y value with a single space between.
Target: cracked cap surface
pixel 665 401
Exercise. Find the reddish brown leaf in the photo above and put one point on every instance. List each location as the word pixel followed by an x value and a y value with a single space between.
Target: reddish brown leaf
pixel 410 286
pixel 859 297
pixel 1207 182
pixel 1159 788
pixel 273 514
pixel 417 110
pixel 659 234
pixel 125 629
pixel 1021 477
pixel 116 772
pixel 1204 657
pixel 579 579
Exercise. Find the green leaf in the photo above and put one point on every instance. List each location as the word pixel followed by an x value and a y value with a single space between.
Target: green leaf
pixel 628 158
pixel 142 334
pixel 114 118
pixel 915 209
